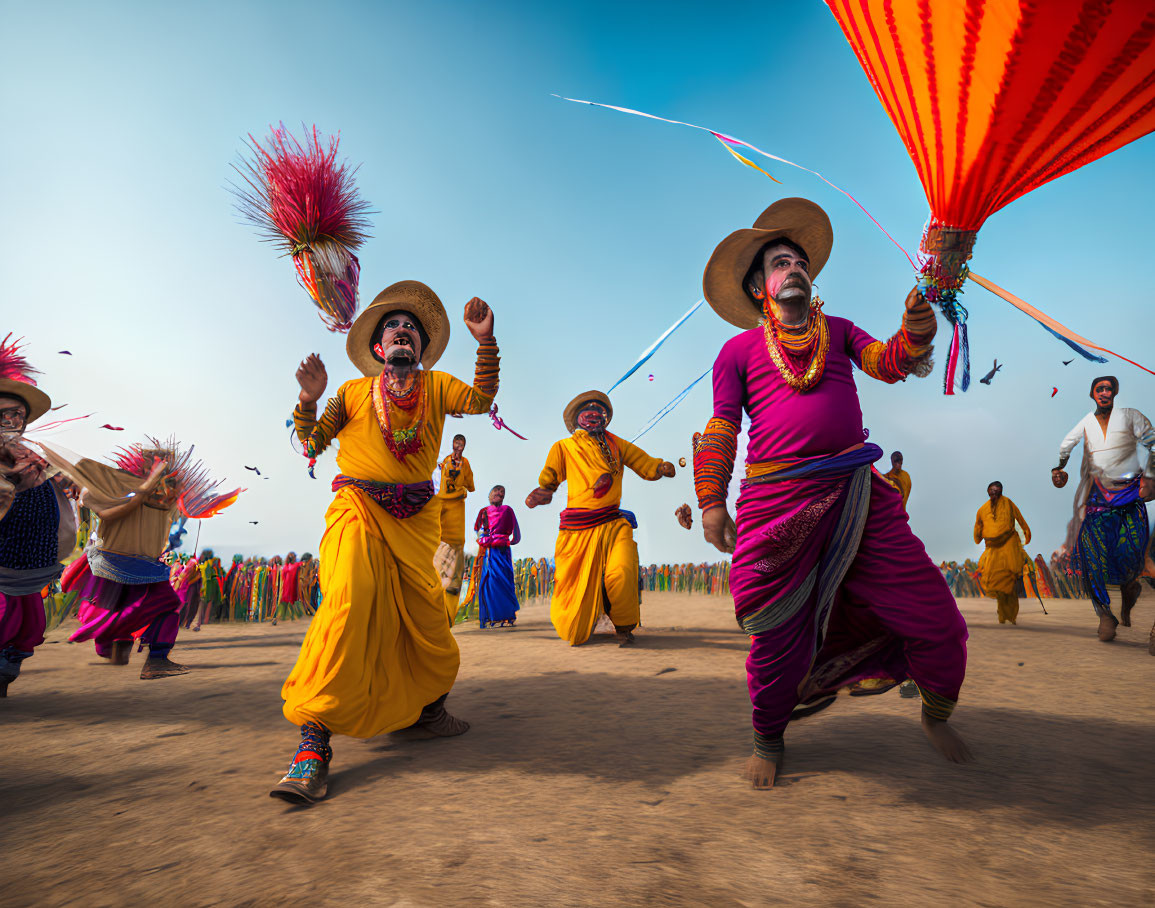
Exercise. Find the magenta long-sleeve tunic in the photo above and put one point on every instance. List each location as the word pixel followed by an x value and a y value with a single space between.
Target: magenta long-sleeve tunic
pixel 783 422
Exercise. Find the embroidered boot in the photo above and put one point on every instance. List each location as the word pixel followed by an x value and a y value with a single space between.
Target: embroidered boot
pixel 307 780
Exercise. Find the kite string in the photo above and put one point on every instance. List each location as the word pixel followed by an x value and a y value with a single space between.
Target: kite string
pixel 653 348
pixel 731 140
pixel 669 408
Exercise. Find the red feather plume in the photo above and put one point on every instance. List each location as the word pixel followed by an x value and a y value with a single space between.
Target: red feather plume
pixel 303 199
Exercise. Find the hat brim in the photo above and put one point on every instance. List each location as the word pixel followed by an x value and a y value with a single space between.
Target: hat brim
pixel 798 220
pixel 38 402
pixel 571 411
pixel 407 296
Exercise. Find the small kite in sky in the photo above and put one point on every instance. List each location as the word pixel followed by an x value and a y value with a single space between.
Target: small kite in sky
pixel 986 379
pixel 254 469
pixel 65 352
pixel 254 521
pixel 1067 362
pixel 651 376
pixel 113 428
pixel 1054 391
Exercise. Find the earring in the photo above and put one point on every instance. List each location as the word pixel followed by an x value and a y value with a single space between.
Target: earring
pixel 758 294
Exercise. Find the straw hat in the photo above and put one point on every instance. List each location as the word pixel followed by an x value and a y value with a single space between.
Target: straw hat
pixel 571 409
pixel 410 296
pixel 798 220
pixel 16 380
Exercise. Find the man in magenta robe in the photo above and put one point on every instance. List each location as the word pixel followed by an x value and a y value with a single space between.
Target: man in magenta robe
pixel 835 591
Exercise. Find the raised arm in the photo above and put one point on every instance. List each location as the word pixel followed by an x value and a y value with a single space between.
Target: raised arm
pixel 907 352
pixel 316 435
pixel 462 399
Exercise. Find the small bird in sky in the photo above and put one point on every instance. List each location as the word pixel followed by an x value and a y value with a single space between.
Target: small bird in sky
pixel 1068 362
pixel 254 469
pixel 113 428
pixel 65 352
pixel 986 379
pixel 254 521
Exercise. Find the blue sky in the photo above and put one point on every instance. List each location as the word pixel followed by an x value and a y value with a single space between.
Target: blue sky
pixel 586 230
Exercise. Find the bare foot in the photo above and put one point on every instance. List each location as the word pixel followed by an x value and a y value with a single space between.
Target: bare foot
pixel 946 740
pixel 161 668
pixel 1107 625
pixel 762 771
pixel 1130 595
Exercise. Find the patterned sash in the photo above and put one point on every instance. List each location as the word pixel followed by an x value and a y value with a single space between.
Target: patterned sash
pixel 588 518
pixel 399 500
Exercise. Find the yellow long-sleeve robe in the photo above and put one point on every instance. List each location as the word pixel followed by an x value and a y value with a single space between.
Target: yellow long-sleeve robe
pixel 596 569
pixel 379 648
pixel 450 555
pixel 901 481
pixel 1001 564
pixel 451 497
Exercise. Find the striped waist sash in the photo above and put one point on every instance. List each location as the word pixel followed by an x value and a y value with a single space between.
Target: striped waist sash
pixel 399 500
pixel 588 518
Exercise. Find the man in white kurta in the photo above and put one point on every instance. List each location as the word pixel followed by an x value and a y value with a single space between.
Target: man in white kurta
pixel 1108 533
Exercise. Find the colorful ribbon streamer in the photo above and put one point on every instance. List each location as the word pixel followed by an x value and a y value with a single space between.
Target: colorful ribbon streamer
pixel 499 424
pixel 653 348
pixel 1076 342
pixel 669 408
pixel 729 141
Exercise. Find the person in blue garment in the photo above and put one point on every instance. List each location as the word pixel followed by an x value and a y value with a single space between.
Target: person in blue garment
pixel 491 589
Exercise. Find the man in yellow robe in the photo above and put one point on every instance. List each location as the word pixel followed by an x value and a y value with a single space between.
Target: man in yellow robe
pixel 1002 562
pixel 898 477
pixel 379 654
pixel 456 483
pixel 596 556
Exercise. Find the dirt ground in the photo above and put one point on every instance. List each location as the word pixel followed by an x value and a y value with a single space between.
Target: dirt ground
pixel 592 776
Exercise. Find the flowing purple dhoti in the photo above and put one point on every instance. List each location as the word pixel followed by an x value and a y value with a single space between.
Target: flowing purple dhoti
pixel 111 611
pixel 834 588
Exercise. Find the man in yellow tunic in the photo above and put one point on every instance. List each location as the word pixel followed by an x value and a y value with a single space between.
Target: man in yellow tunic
pixel 456 483
pixel 1002 562
pixel 379 654
pixel 898 477
pixel 596 556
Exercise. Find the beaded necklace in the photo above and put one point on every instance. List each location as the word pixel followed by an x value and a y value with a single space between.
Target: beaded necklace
pixel 813 342
pixel 400 442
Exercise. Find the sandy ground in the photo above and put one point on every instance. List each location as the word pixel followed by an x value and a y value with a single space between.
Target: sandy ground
pixel 592 776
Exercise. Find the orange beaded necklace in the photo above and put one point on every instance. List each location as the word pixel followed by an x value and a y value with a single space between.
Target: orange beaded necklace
pixel 813 341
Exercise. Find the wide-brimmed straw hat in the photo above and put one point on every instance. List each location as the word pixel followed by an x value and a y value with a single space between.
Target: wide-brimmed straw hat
pixel 798 220
pixel 38 402
pixel 410 296
pixel 16 379
pixel 574 406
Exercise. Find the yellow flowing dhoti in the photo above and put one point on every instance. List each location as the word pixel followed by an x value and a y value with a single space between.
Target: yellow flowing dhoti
pixel 379 648
pixel 596 568
pixel 596 573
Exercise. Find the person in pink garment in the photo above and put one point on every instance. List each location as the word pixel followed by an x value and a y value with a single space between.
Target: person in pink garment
pixel 492 590
pixel 835 591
